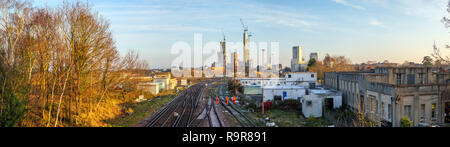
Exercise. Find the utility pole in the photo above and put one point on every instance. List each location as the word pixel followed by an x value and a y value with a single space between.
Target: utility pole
pixel 262 87
pixel 235 71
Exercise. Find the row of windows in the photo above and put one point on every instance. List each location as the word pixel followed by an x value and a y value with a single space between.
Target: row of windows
pixel 348 86
pixel 266 83
pixel 423 116
pixel 411 79
pixel 290 76
pixel 374 111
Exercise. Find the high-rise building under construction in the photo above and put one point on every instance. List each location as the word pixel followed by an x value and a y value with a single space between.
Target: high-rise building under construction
pixel 246 52
pixel 223 45
pixel 246 55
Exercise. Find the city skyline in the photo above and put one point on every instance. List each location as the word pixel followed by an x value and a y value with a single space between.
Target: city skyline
pixel 361 30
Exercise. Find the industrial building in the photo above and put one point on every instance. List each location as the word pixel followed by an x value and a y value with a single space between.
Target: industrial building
pixel 161 81
pixel 301 86
pixel 304 79
pixel 389 93
pixel 316 101
pixel 152 88
pixel 272 93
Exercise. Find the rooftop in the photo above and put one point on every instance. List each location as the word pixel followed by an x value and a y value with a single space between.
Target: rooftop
pixel 284 87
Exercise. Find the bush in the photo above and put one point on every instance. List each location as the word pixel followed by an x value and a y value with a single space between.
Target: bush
pixel 287 105
pixel 13 109
pixel 405 122
pixel 311 119
pixel 252 106
pixel 232 84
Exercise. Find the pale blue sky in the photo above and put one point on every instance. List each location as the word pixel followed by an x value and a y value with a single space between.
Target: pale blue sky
pixel 363 30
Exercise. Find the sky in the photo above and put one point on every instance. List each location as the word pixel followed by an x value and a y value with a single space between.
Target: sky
pixel 362 30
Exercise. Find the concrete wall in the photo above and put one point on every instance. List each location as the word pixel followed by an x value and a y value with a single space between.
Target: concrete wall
pixel 377 106
pixel 152 88
pixel 417 115
pixel 292 93
pixel 318 103
pixel 301 76
pixel 258 81
pixel 173 84
pixel 312 107
pixel 163 82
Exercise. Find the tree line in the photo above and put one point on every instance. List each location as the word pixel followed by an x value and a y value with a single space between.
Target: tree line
pixel 58 65
pixel 330 64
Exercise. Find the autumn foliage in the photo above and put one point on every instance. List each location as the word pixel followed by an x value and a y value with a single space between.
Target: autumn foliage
pixel 58 66
pixel 331 64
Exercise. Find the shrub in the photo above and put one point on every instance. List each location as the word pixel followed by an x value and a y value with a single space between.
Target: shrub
pixel 287 105
pixel 311 118
pixel 405 122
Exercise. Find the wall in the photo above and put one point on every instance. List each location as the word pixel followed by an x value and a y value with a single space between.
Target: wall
pixel 301 77
pixel 318 103
pixel 315 109
pixel 292 93
pixel 258 81
pixel 163 83
pixel 152 88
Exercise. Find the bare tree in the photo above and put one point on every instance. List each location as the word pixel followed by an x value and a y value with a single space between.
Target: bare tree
pixel 437 54
pixel 16 60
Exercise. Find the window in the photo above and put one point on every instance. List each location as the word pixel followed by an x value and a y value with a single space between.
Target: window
pixel 433 110
pixel 399 79
pixel 308 103
pixel 376 107
pixel 390 111
pixel 407 110
pixel 289 76
pixel 369 109
pixel 411 79
pixel 422 112
pixel 421 78
pixel 312 75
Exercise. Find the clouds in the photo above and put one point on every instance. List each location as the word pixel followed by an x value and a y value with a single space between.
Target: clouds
pixel 153 25
pixel 375 22
pixel 284 18
pixel 166 27
pixel 419 8
pixel 346 3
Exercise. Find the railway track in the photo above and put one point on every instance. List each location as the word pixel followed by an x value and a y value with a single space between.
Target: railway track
pixel 243 119
pixel 213 117
pixel 185 111
pixel 181 111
